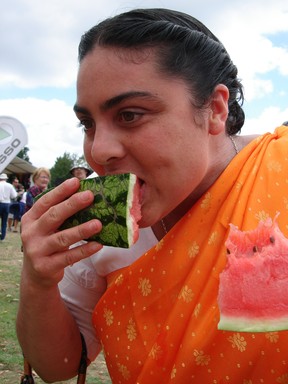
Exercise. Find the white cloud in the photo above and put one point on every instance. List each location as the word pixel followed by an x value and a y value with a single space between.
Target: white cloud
pixel 51 127
pixel 39 40
pixel 267 121
pixel 248 30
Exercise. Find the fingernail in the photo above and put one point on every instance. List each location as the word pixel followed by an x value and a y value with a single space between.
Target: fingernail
pixel 85 195
pixel 72 181
pixel 95 225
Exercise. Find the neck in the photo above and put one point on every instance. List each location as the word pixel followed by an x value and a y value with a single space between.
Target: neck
pixel 222 157
pixel 162 227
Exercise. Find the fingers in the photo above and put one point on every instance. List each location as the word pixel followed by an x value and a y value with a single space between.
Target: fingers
pixel 48 272
pixel 53 208
pixel 57 214
pixel 62 240
pixel 54 197
pixel 46 249
pixel 71 256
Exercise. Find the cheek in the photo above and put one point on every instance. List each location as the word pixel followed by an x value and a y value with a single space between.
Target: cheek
pixel 190 168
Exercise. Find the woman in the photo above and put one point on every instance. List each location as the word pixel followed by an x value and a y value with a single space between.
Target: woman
pixel 41 178
pixel 158 96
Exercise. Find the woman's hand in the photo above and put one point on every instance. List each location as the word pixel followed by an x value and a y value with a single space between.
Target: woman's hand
pixel 46 249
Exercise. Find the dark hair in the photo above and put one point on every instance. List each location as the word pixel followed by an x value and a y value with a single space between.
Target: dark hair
pixel 187 49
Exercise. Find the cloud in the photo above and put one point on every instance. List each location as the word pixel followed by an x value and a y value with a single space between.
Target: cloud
pixel 267 121
pixel 51 126
pixel 250 33
pixel 39 40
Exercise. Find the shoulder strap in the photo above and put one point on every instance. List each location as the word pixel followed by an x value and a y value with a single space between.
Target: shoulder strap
pixel 27 377
pixel 83 363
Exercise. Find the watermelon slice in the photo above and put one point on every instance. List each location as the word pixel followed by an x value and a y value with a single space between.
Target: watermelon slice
pixel 253 291
pixel 116 204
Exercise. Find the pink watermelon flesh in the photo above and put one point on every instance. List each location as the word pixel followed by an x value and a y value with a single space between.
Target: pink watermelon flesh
pixel 253 291
pixel 134 213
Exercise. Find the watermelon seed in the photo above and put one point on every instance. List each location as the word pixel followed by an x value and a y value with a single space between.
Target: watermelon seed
pixel 255 248
pixel 272 239
pixel 228 251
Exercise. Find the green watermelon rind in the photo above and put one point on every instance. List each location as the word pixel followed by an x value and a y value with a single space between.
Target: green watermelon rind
pixel 244 324
pixel 113 198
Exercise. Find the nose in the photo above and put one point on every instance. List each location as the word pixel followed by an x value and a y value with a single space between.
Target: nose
pixel 107 146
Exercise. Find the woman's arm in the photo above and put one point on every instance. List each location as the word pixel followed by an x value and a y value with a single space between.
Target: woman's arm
pixel 47 332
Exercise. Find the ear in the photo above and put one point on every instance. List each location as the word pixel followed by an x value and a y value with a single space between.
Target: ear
pixel 218 109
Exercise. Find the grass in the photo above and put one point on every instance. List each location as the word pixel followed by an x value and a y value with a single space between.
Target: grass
pixel 11 361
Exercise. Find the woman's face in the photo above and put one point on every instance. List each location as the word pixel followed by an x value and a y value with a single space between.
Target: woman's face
pixel 42 180
pixel 137 120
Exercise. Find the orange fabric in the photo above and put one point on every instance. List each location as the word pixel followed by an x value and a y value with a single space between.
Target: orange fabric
pixel 158 319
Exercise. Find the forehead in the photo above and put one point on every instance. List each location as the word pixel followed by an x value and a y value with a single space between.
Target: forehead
pixel 107 72
pixel 104 65
pixel 42 174
pixel 116 55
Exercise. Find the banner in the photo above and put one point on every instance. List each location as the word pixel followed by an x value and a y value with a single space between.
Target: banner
pixel 13 138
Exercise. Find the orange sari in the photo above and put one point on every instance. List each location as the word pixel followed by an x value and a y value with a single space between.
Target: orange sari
pixel 158 319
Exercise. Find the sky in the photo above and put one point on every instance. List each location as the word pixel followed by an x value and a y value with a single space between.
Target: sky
pixel 38 65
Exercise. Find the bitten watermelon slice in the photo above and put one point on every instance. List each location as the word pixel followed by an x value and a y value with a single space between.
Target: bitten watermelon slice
pixel 116 204
pixel 253 291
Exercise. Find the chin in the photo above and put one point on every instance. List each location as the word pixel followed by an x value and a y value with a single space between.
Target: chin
pixel 149 217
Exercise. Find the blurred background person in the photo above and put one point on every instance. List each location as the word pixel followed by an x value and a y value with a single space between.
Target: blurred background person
pixel 81 171
pixel 41 179
pixel 22 201
pixel 7 193
pixel 14 216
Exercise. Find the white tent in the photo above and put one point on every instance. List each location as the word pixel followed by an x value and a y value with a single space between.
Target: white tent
pixel 19 166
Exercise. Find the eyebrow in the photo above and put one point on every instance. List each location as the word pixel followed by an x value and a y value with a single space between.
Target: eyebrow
pixel 114 101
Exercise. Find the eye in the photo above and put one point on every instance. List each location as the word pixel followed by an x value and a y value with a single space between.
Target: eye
pixel 86 124
pixel 129 116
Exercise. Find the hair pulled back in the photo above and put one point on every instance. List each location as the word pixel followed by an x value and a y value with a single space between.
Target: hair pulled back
pixel 186 48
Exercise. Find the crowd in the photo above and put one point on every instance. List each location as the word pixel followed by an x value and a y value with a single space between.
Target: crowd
pixel 15 200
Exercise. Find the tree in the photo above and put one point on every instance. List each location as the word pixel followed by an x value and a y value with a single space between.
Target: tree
pixel 23 154
pixel 61 169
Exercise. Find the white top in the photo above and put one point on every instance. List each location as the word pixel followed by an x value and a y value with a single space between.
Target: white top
pixel 84 283
pixel 23 198
pixel 7 192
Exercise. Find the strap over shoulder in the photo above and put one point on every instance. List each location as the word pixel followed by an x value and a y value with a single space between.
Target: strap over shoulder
pixel 27 377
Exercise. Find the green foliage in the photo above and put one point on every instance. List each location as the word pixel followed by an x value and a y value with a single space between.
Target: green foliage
pixel 23 154
pixel 61 169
